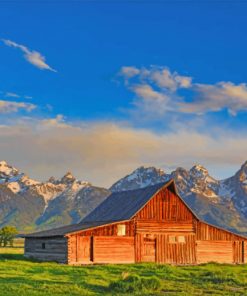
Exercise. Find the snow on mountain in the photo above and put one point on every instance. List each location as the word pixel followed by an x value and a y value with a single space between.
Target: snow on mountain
pixel 26 201
pixel 140 178
pixel 221 202
pixel 19 183
pixel 30 204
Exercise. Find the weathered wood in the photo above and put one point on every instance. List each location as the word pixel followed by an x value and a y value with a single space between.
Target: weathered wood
pixel 214 251
pixel 165 206
pixel 45 249
pixel 113 249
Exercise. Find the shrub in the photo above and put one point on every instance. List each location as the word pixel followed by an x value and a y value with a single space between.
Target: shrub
pixel 135 283
pixel 7 235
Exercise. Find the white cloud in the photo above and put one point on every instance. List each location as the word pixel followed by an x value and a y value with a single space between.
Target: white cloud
pixel 164 78
pixel 12 95
pixel 103 152
pixel 33 57
pixel 149 100
pixel 28 97
pixel 160 85
pixel 12 107
pixel 129 72
pixel 222 95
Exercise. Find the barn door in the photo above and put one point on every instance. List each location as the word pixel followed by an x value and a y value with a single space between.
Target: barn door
pixel 149 250
pixel 83 249
pixel 238 252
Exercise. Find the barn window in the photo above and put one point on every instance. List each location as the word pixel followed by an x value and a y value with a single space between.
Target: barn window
pixel 181 239
pixel 172 239
pixel 43 246
pixel 121 230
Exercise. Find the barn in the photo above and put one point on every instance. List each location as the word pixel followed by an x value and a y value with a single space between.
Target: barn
pixel 151 224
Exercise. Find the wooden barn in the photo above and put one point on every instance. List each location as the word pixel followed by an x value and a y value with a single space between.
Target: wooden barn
pixel 152 224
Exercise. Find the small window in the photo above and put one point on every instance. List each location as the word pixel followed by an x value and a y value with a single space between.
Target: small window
pixel 43 245
pixel 181 239
pixel 121 230
pixel 172 239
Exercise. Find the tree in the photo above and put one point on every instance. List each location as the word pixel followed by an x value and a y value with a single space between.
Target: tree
pixel 7 235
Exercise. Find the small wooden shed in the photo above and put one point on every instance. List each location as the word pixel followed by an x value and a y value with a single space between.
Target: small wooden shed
pixel 152 224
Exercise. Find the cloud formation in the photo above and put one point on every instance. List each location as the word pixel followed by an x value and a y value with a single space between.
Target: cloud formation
pixel 12 95
pixel 33 57
pixel 217 97
pixel 13 107
pixel 129 72
pixel 160 89
pixel 104 152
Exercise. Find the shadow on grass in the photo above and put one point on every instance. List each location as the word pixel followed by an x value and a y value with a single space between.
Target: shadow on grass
pixel 14 257
pixel 11 257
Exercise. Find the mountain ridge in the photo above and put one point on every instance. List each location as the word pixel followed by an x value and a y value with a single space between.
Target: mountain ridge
pixel 33 205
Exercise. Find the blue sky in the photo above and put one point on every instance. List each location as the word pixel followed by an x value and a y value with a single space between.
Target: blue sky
pixel 116 73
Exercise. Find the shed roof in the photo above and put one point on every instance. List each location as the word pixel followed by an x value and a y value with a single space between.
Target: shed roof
pixel 61 231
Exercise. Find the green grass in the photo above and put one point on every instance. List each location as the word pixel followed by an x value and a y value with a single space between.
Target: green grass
pixel 23 277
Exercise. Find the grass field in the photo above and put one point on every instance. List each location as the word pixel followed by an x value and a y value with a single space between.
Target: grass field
pixel 22 277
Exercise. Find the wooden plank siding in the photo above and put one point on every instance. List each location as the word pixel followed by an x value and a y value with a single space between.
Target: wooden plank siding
pixel 165 206
pixel 47 249
pixel 208 232
pixel 84 242
pixel 166 214
pixel 113 249
pixel 214 251
pixel 245 252
pixel 145 226
pixel 110 230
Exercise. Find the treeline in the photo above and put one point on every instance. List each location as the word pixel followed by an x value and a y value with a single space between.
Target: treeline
pixel 7 235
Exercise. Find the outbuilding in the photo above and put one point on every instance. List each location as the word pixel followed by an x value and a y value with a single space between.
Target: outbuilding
pixel 151 224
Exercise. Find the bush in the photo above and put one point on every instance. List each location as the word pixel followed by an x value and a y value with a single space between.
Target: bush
pixel 135 283
pixel 7 235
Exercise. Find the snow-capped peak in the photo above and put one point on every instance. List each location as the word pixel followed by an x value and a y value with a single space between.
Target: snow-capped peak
pixel 139 178
pixel 6 169
pixel 199 171
pixel 68 178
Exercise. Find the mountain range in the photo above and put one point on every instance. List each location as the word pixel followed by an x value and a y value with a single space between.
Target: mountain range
pixel 32 205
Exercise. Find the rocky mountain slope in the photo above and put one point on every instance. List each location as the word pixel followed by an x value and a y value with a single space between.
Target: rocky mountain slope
pixel 30 205
pixel 220 202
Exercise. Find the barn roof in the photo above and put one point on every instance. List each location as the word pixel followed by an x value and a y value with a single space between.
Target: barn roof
pixel 61 231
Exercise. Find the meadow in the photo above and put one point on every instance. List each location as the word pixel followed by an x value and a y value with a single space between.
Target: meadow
pixel 19 276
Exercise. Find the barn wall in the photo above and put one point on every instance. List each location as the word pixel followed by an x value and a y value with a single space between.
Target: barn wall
pixel 55 249
pixel 165 206
pixel 163 216
pixel 113 249
pixel 208 232
pixel 83 245
pixel 214 251
pixel 110 230
pixel 214 244
pixel 166 251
